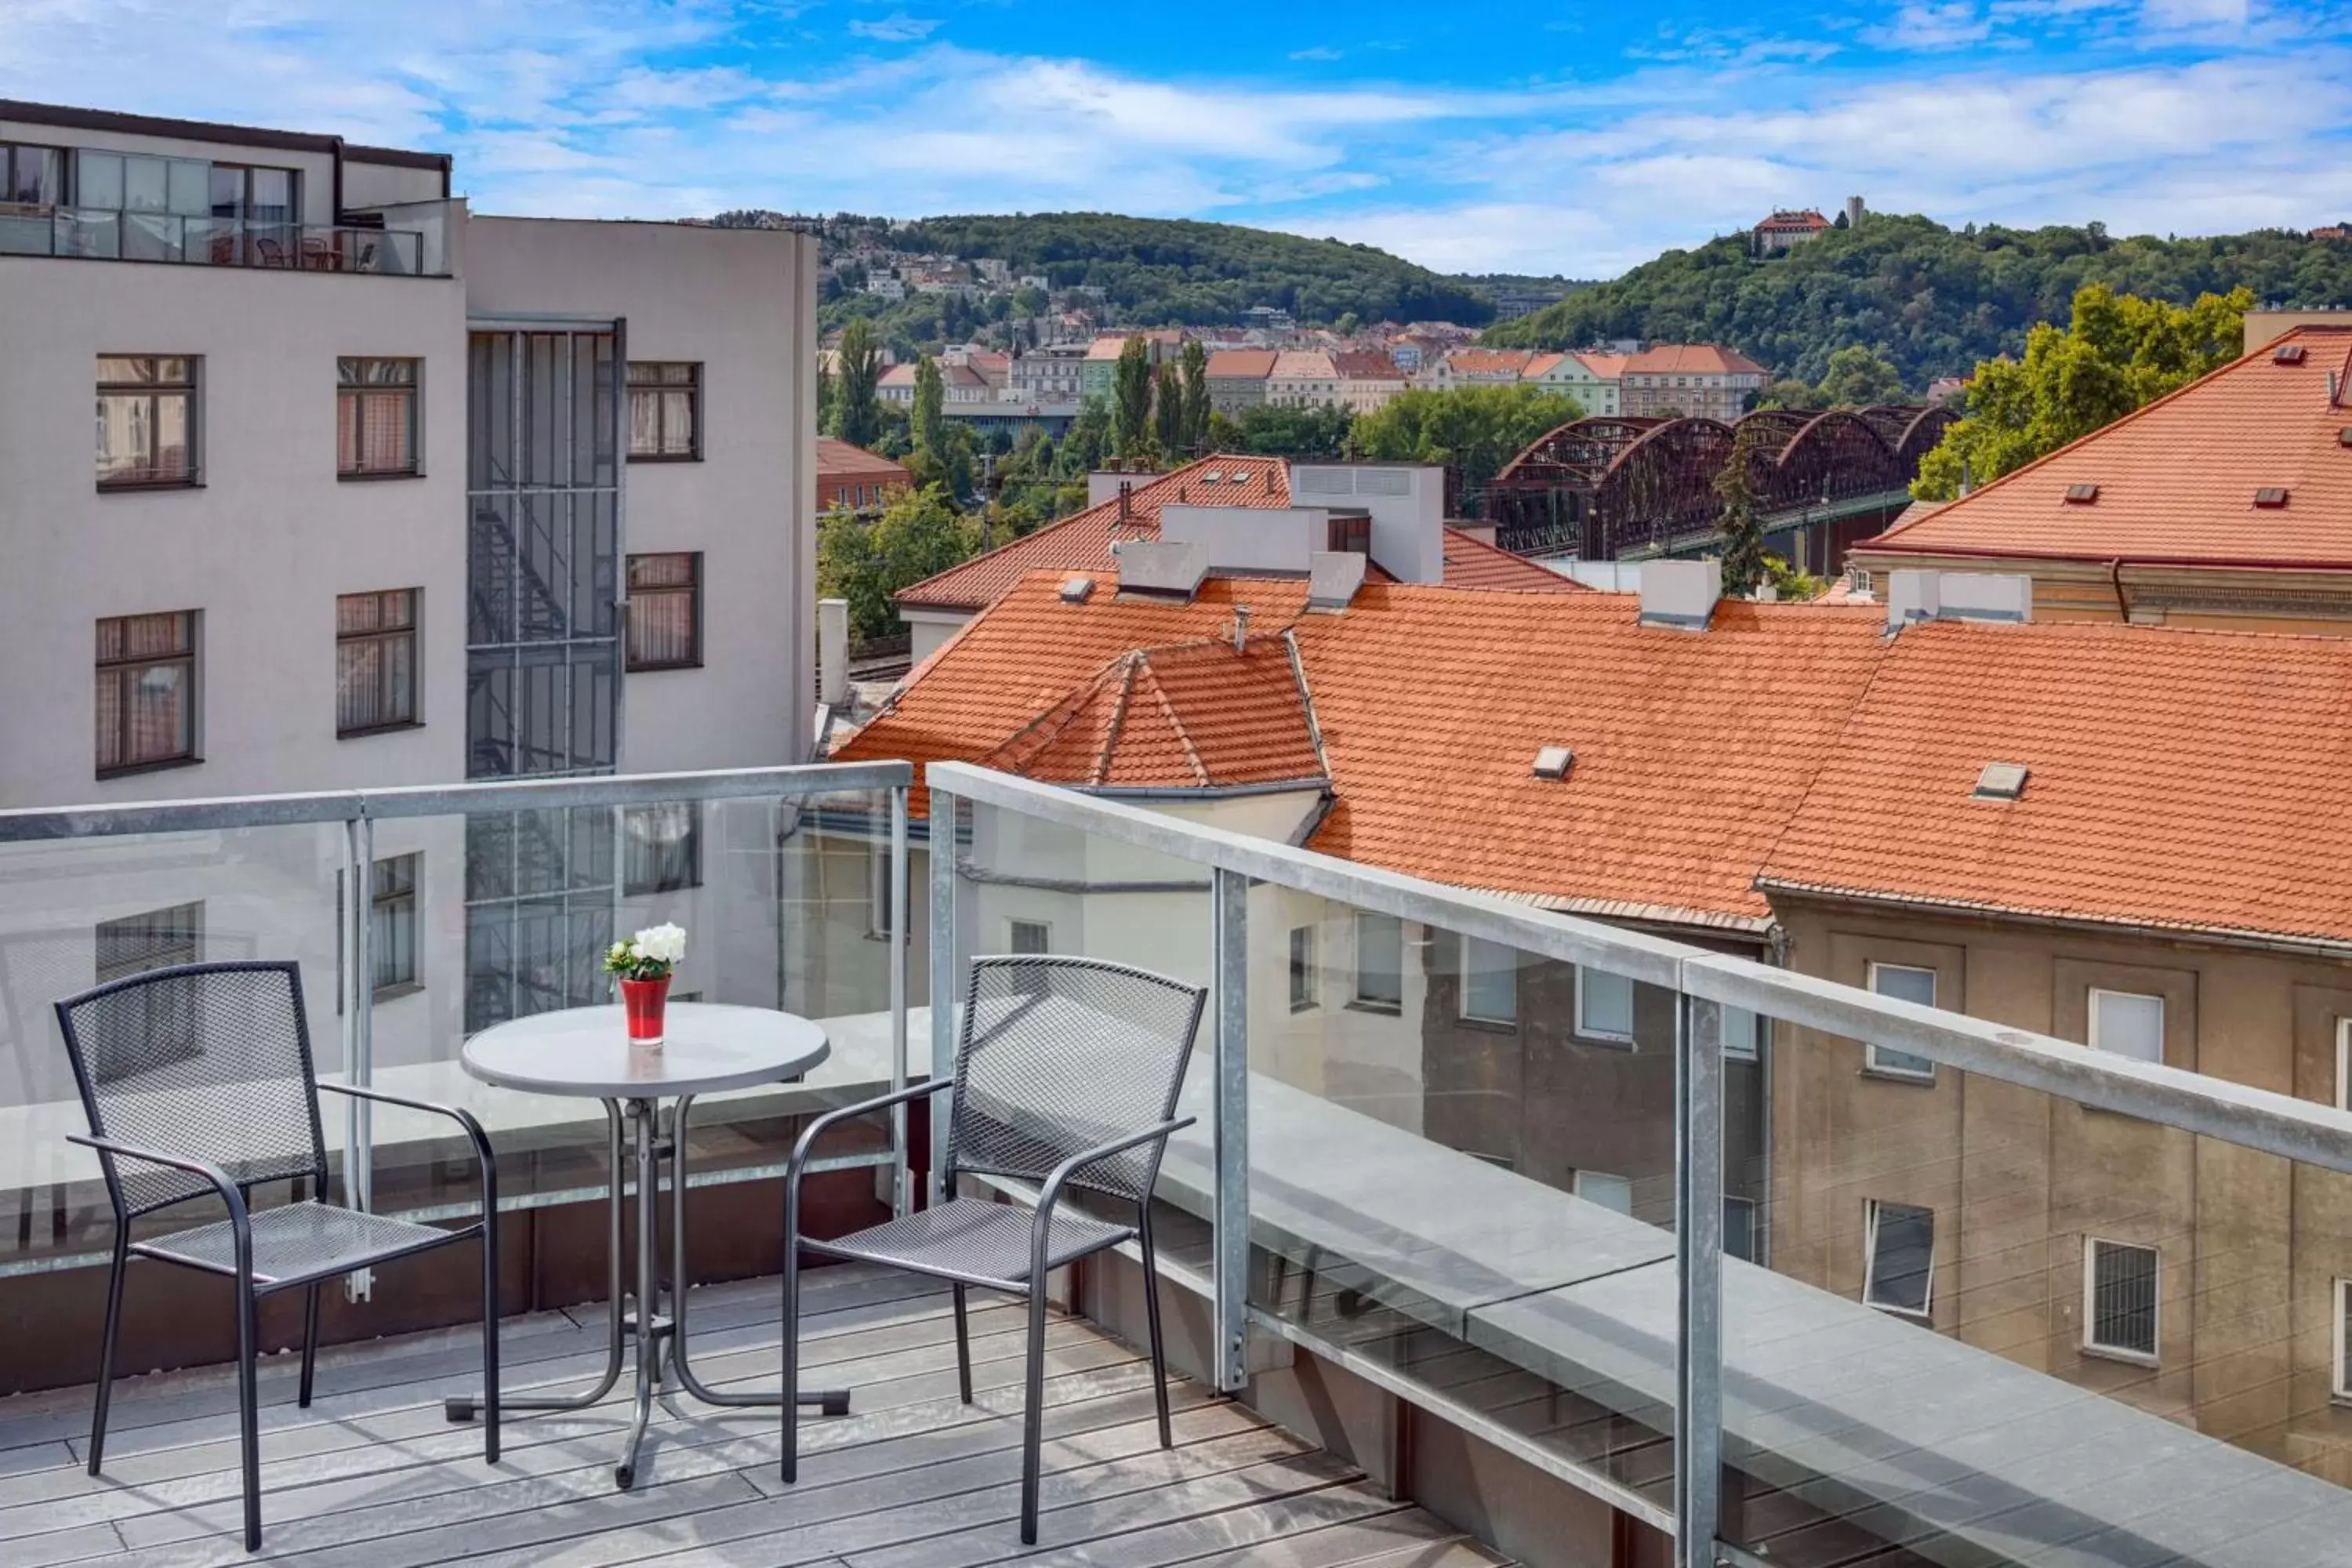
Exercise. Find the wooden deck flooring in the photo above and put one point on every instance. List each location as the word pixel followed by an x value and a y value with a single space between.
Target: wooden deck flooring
pixel 372 1476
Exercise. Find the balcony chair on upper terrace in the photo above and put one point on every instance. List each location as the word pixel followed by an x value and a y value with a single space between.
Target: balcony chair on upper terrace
pixel 198 1082
pixel 1066 1075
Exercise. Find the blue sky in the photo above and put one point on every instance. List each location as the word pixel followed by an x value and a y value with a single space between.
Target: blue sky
pixel 1577 139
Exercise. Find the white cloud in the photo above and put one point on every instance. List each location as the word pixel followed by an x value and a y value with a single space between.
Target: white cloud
pixel 897 28
pixel 1936 24
pixel 1318 52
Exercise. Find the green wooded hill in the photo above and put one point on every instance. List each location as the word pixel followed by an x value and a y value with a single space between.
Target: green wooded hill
pixel 1933 300
pixel 1176 271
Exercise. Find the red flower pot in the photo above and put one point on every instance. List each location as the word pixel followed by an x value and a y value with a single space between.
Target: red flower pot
pixel 643 1002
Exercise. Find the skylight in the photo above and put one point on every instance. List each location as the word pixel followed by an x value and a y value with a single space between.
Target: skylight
pixel 1076 590
pixel 2082 495
pixel 1553 761
pixel 2271 495
pixel 2287 353
pixel 2001 780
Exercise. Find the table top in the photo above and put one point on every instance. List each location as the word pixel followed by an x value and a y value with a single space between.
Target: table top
pixel 586 1052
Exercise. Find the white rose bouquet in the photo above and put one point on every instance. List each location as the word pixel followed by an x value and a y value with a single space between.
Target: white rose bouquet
pixel 651 955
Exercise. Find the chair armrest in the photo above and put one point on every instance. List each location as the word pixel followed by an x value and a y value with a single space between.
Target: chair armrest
pixel 1050 1193
pixel 240 1225
pixel 807 1144
pixel 486 1159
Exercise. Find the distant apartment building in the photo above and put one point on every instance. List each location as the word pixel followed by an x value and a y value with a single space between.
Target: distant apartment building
pixel 1052 374
pixel 957 383
pixel 1303 378
pixel 851 478
pixel 1474 367
pixel 1593 380
pixel 379 493
pixel 1237 378
pixel 1701 380
pixel 1368 379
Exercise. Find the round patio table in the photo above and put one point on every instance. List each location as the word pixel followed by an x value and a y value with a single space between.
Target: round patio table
pixel 584 1053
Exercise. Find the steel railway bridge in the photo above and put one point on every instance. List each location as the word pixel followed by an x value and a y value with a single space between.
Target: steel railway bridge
pixel 1618 488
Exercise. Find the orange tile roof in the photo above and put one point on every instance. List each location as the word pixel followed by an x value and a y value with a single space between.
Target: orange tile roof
pixel 1198 715
pixel 2176 479
pixel 1807 220
pixel 1691 359
pixel 1690 749
pixel 840 459
pixel 1540 366
pixel 1488 362
pixel 1472 563
pixel 1081 542
pixel 1240 364
pixel 1366 364
pixel 1305 365
pixel 1607 367
pixel 2196 780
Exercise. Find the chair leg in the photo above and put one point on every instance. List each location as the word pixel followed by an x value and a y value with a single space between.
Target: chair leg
pixel 106 1347
pixel 1032 1417
pixel 1151 1324
pixel 248 1414
pixel 310 1343
pixel 792 1316
pixel 963 1347
pixel 490 1339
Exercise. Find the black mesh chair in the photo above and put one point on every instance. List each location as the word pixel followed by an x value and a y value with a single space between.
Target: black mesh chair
pixel 198 1083
pixel 1067 1076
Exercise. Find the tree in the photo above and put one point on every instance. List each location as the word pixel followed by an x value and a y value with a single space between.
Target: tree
pixel 1348 324
pixel 1223 433
pixel 2120 352
pixel 1790 393
pixel 1858 376
pixel 1131 393
pixel 1474 429
pixel 1840 221
pixel 1087 442
pixel 1739 525
pixel 1167 409
pixel 1196 396
pixel 824 397
pixel 1293 432
pixel 928 421
pixel 857 411
pixel 917 535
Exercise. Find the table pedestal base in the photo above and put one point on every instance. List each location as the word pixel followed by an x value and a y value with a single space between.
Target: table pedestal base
pixel 660 1338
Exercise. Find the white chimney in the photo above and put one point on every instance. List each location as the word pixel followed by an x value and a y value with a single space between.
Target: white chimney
pixel 1103 484
pixel 1332 578
pixel 833 652
pixel 1917 594
pixel 1681 593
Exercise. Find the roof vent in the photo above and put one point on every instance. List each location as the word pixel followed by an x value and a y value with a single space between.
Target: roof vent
pixel 2271 495
pixel 1161 569
pixel 2001 780
pixel 1553 761
pixel 2287 353
pixel 2344 436
pixel 1681 594
pixel 1332 578
pixel 1078 590
pixel 2082 495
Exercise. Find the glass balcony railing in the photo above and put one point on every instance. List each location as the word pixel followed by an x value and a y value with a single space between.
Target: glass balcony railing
pixel 102 233
pixel 1795 1273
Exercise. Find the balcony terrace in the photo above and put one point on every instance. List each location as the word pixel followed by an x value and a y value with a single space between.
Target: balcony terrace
pixel 1519 1222
pixel 105 234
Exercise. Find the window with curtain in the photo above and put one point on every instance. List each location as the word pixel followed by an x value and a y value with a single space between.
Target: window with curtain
pixel 664 410
pixel 666 611
pixel 375 661
pixel 1379 961
pixel 146 691
pixel 661 846
pixel 146 420
pixel 375 418
pixel 134 945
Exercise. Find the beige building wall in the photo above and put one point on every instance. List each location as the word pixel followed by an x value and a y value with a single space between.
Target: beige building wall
pixel 2250 1250
pixel 2211 598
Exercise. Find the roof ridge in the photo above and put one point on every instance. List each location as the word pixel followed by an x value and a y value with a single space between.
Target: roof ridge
pixel 1129 662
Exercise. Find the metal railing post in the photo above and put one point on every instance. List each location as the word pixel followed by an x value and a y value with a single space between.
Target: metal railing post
pixel 359 1066
pixel 943 849
pixel 1698 1280
pixel 1229 925
pixel 901 931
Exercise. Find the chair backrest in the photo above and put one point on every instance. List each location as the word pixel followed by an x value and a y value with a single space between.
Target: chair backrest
pixel 207 1061
pixel 1060 1055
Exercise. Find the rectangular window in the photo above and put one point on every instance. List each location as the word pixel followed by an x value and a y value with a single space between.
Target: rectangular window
pixel 2342 1384
pixel 1490 982
pixel 146 691
pixel 2343 1064
pixel 146 420
pixel 878 898
pixel 375 661
pixel 1612 1193
pixel 1743 1034
pixel 1899 1257
pixel 166 1028
pixel 1305 990
pixel 1604 1006
pixel 1030 937
pixel 2119 1298
pixel 1379 961
pixel 1739 1228
pixel 375 418
pixel 661 847
pixel 2127 1024
pixel 392 927
pixel 1906 983
pixel 664 410
pixel 666 611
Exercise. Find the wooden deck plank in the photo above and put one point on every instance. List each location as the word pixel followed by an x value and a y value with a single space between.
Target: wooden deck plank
pixel 373 1476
